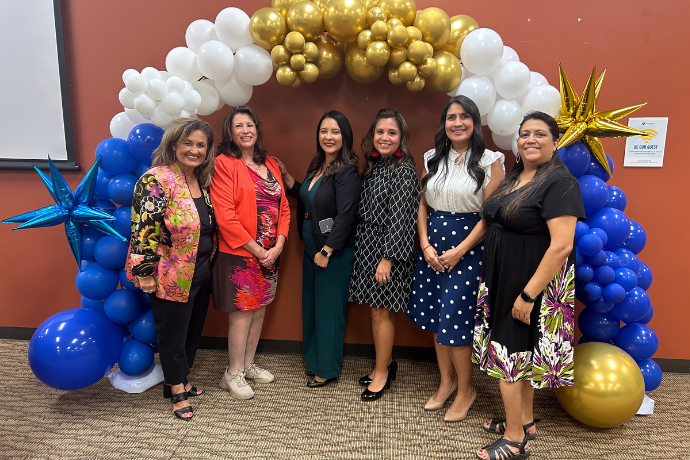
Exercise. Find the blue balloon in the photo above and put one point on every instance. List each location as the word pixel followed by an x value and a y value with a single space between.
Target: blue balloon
pixel 141 169
pixel 601 327
pixel 648 317
pixel 644 276
pixel 122 306
pixel 123 221
pixel 111 252
pixel 145 301
pixel 576 158
pixel 121 189
pixel 143 140
pixel 626 278
pixel 612 260
pixel 579 258
pixel 115 157
pixel 614 222
pixel 96 282
pixel 135 358
pixel 597 260
pixel 651 373
pixel 584 273
pixel 633 307
pixel 628 260
pixel 590 244
pixel 102 181
pixel 600 305
pixel 604 275
pixel 638 340
pixel 104 205
pixel 74 349
pixel 617 198
pixel 592 291
pixel 89 238
pixel 613 293
pixel 122 274
pixel 144 328
pixel 637 239
pixel 580 229
pixel 596 169
pixel 601 234
pixel 594 193
pixel 585 339
pixel 92 304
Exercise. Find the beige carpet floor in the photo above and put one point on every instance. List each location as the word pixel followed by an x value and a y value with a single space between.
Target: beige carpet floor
pixel 287 420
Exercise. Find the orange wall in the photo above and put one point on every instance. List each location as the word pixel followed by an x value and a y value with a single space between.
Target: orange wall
pixel 642 46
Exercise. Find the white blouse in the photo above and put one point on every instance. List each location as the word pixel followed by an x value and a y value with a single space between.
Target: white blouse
pixel 454 192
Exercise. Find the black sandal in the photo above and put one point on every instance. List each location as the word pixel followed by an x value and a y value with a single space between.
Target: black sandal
pixel 194 391
pixel 496 423
pixel 500 450
pixel 185 410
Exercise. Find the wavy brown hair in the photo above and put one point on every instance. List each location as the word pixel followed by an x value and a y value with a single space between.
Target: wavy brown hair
pixel 180 129
pixel 227 145
pixel 368 140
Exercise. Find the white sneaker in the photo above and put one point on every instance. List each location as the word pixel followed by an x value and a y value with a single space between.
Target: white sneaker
pixel 235 383
pixel 258 374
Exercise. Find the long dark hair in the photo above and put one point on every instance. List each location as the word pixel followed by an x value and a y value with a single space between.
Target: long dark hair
pixel 227 145
pixel 346 156
pixel 442 145
pixel 543 171
pixel 368 140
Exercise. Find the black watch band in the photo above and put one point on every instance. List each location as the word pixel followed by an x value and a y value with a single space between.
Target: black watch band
pixel 526 297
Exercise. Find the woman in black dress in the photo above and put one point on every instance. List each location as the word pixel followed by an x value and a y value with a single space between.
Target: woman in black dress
pixel 384 245
pixel 525 318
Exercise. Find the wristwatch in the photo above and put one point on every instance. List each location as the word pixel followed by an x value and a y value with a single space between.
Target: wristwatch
pixel 526 297
pixel 325 253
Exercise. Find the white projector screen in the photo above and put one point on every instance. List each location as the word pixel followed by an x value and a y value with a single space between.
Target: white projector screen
pixel 35 122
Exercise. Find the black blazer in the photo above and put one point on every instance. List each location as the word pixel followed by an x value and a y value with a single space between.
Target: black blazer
pixel 337 198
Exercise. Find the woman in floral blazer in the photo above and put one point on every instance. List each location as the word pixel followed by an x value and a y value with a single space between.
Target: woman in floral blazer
pixel 172 246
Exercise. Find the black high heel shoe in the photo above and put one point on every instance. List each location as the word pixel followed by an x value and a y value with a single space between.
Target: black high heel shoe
pixel 194 391
pixel 185 410
pixel 392 368
pixel 368 395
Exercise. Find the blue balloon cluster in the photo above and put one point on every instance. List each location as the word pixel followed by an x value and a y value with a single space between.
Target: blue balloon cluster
pixel 610 280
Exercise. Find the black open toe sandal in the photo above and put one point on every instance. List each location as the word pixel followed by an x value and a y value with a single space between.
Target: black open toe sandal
pixel 500 450
pixel 185 410
pixel 498 426
pixel 194 391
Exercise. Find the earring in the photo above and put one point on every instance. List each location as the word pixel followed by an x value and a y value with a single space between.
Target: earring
pixel 517 157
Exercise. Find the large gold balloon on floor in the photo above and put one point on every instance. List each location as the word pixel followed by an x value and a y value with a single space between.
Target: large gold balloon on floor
pixel 435 26
pixel 345 19
pixel 358 68
pixel 268 27
pixel 609 387
pixel 460 26
pixel 405 10
pixel 330 60
pixel 447 75
pixel 306 18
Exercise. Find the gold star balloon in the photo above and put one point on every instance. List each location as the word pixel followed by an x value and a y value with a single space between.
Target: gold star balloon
pixel 580 120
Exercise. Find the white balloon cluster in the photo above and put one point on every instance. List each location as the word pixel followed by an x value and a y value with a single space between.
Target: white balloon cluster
pixel 220 65
pixel 503 88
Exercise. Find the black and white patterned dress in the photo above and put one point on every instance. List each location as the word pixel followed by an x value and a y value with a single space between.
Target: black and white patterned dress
pixel 387 222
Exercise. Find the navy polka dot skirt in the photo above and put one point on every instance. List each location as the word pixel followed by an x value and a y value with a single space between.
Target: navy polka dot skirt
pixel 445 303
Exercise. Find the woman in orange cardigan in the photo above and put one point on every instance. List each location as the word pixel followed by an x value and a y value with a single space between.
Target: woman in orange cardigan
pixel 253 217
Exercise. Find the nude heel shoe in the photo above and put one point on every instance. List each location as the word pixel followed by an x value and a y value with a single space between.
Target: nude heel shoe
pixel 432 404
pixel 452 416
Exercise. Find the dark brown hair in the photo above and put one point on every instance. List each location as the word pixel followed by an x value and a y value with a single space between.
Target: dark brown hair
pixel 346 156
pixel 227 145
pixel 368 140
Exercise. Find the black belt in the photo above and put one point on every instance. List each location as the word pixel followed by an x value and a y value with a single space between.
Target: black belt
pixel 307 216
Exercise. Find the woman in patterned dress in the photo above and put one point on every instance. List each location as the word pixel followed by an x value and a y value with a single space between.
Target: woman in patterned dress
pixel 460 174
pixel 528 261
pixel 253 220
pixel 384 244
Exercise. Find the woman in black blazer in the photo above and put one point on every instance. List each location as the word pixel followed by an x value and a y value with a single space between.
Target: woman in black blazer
pixel 326 213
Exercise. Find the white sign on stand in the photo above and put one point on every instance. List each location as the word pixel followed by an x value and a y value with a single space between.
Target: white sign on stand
pixel 646 150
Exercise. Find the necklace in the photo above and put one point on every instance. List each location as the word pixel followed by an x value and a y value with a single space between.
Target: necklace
pixel 253 167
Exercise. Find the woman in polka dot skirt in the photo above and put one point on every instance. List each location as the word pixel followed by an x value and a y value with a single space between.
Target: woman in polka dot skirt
pixel 460 174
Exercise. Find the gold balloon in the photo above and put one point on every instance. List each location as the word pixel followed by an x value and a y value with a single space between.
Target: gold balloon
pixel 407 71
pixel 286 75
pixel 305 18
pixel 369 4
pixel 379 30
pixel 394 77
pixel 280 55
pixel 416 85
pixel 275 66
pixel 405 10
pixel 397 36
pixel 309 74
pixel 267 27
pixel 311 52
pixel 297 61
pixel 376 14
pixel 297 83
pixel 435 26
pixel 609 387
pixel 398 56
pixel 460 26
pixel 283 5
pixel 358 68
pixel 345 19
pixel 413 35
pixel 448 73
pixel 294 42
pixel 378 53
pixel 430 49
pixel 417 52
pixel 392 22
pixel 364 39
pixel 322 5
pixel 428 68
pixel 330 60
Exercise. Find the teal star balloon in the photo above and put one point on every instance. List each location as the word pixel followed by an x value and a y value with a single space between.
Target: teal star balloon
pixel 71 209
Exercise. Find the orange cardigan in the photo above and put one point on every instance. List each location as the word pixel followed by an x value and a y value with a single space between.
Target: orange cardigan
pixel 234 204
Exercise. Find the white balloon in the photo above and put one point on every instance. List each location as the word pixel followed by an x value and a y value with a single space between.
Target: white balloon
pixel 164 75
pixel 135 117
pixel 221 104
pixel 199 32
pixel 254 65
pixel 234 91
pixel 187 87
pixel 192 99
pixel 544 98
pixel 126 98
pixel 151 73
pixel 232 28
pixel 136 83
pixel 481 51
pixel 535 79
pixel 209 97
pixel 120 126
pixel 144 103
pixel 160 117
pixel 181 61
pixel 480 90
pixel 157 89
pixel 463 76
pixel 185 113
pixel 173 103
pixel 215 60
pixel 503 142
pixel 512 79
pixel 504 117
pixel 175 84
pixel 509 54
pixel 127 73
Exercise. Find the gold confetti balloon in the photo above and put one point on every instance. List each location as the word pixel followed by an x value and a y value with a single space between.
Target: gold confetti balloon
pixel 294 42
pixel 460 26
pixel 417 52
pixel 407 71
pixel 358 68
pixel 306 18
pixel 405 10
pixel 267 27
pixel 309 74
pixel 311 52
pixel 297 61
pixel 398 56
pixel 394 77
pixel 330 59
pixel 428 68
pixel 345 19
pixel 286 75
pixel 376 14
pixel 435 26
pixel 364 39
pixel 378 53
pixel 397 36
pixel 379 30
pixel 416 85
pixel 447 75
